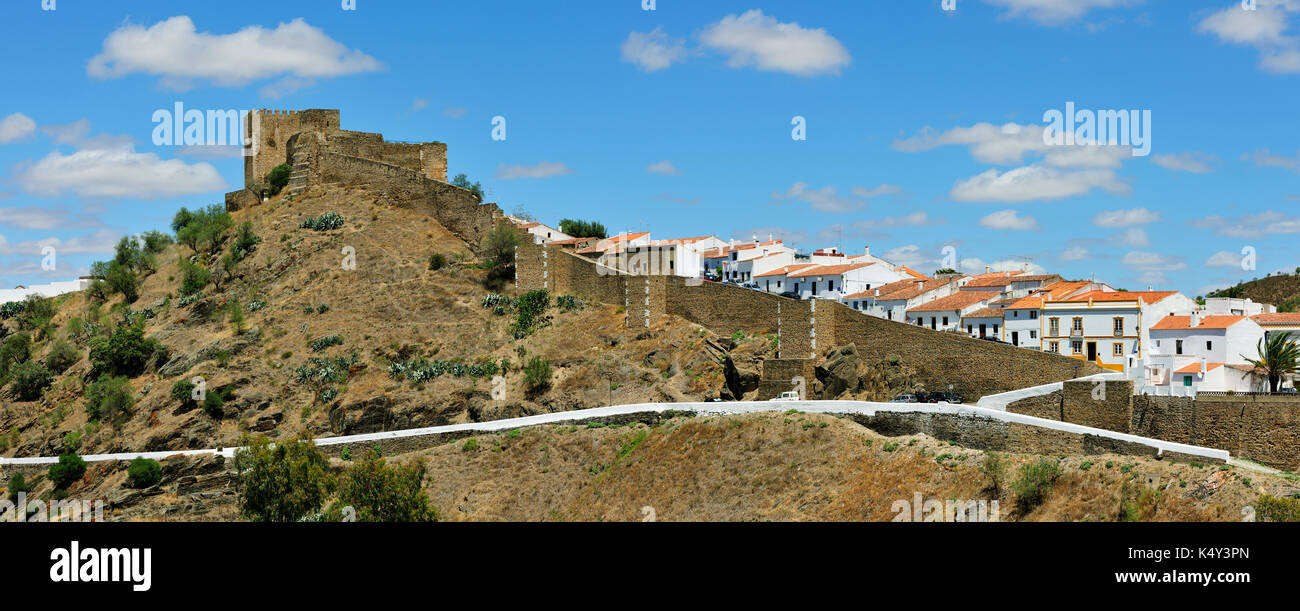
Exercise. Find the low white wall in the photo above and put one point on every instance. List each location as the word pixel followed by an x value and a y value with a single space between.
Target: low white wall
pixel 737 407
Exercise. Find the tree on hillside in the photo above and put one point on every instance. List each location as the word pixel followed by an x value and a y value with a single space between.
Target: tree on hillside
pixel 583 229
pixel 463 182
pixel 278 177
pixel 946 270
pixel 1279 356
pixel 202 229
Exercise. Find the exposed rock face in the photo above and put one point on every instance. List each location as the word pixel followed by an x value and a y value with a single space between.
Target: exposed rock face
pixel 741 378
pixel 182 363
pixel 840 373
pixel 367 416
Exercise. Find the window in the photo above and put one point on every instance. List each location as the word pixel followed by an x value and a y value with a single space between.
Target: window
pixel 1033 334
pixel 970 328
pixel 1178 346
pixel 1209 345
pixel 1054 347
pixel 1033 315
pixel 995 328
pixel 1119 326
pixel 830 285
pixel 1187 380
pixel 778 284
pixel 945 321
pixel 1076 347
pixel 1015 314
pixel 1054 327
pixel 1076 325
pixel 1118 349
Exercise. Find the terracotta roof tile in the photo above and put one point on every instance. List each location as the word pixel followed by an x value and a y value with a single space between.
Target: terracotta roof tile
pixel 956 301
pixel 829 270
pixel 1207 322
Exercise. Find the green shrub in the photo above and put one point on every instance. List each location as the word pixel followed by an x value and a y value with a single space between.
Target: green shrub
pixel 1277 509
pixel 245 241
pixel 72 441
pixel 437 261
pixel 17 483
pixel 29 380
pixel 380 493
pixel 326 222
pixel 499 246
pixel 202 228
pixel 214 405
pixel 322 343
pixel 109 399
pixel 346 453
pixel 120 279
pixel 62 356
pixel 193 278
pixel 183 391
pixel 530 313
pixel 462 181
pixel 236 316
pixel 537 374
pixel 471 445
pixel 143 472
pixel 16 349
pixel 68 470
pixel 280 482
pixel 156 241
pixel 583 229
pixel 1035 482
pixel 126 353
pixel 278 177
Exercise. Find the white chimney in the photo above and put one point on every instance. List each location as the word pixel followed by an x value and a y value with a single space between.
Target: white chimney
pixel 920 284
pixel 1203 366
pixel 1195 319
pixel 769 237
pixel 988 268
pixel 866 250
pixel 877 292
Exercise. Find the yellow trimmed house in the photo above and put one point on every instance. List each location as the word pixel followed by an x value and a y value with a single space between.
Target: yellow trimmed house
pixel 1109 328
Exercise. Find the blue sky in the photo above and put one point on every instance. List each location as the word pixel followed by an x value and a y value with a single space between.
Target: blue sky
pixel 923 126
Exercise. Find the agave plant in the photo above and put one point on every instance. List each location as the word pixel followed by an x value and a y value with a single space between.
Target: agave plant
pixel 1279 356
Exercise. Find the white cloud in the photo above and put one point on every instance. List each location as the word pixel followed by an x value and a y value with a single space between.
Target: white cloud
pixel 45 218
pixel 975 265
pixel 1264 28
pixel 1153 262
pixel 1076 253
pixel 914 219
pixel 755 39
pixel 419 104
pixel 99 242
pixel 909 255
pixel 1269 222
pixel 16 127
pixel 1196 163
pixel 1133 238
pixel 118 172
pixel 1035 183
pixel 70 133
pixel 825 199
pixel 545 169
pixel 1009 220
pixel 1265 159
pixel 177 53
pixel 866 193
pixel 1224 258
pixel 454 112
pixel 653 51
pixel 664 167
pixel 285 86
pixel 1002 145
pixel 1125 218
pixel 1053 12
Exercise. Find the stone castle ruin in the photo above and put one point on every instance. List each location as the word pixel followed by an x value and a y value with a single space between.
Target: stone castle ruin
pixel 321 153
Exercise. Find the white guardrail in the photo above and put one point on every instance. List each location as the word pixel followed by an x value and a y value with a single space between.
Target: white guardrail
pixel 736 407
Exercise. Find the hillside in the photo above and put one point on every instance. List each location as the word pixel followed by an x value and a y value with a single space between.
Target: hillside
pixel 391 308
pixel 780 466
pixel 1281 290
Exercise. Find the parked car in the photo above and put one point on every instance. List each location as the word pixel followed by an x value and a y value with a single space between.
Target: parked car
pixel 788 395
pixel 751 285
pixel 945 397
pixel 905 399
pixel 790 294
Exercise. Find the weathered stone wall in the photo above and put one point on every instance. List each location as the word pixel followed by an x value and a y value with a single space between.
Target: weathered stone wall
pixel 276 127
pixel 997 435
pixel 974 367
pixel 807 329
pixel 455 209
pixel 1265 429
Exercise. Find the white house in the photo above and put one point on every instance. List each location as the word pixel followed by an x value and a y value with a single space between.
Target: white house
pixel 722 260
pixel 835 281
pixel 1197 352
pixel 778 280
pixel 748 270
pixel 53 289
pixel 984 323
pixel 945 313
pixel 1021 324
pixel 892 300
pixel 1227 306
pixel 1105 327
pixel 542 234
pixel 1286 322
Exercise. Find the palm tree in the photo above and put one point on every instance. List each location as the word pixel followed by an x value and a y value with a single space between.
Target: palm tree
pixel 1278 357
